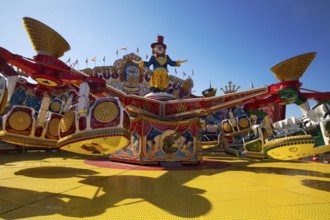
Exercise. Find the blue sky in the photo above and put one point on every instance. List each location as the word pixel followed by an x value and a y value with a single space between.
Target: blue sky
pixel 223 40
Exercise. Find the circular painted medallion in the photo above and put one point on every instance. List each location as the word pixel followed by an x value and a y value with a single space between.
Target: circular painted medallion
pixel 20 120
pixel 53 126
pixel 55 106
pixel 243 123
pixel 67 121
pixel 105 112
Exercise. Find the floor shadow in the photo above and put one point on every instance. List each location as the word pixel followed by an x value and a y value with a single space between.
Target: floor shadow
pixel 55 172
pixel 240 165
pixel 280 171
pixel 166 192
pixel 317 184
pixel 12 157
pixel 205 164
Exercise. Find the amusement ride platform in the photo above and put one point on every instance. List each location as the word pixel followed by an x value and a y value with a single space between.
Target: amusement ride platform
pixel 51 185
pixel 152 121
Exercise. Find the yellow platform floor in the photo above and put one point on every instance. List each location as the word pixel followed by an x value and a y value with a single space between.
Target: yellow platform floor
pixel 39 185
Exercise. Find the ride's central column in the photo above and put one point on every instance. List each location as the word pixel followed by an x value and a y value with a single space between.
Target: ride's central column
pixel 154 141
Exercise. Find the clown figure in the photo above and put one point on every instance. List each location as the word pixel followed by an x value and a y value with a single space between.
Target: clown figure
pixel 159 80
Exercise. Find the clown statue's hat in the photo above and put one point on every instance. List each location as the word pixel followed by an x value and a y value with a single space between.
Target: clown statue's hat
pixel 160 41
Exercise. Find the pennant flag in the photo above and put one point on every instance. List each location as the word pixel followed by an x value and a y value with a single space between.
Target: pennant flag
pixel 251 85
pixel 137 50
pixel 124 48
pixel 147 57
pixel 86 61
pixel 104 59
pixel 176 72
pixel 117 52
pixel 184 74
pixel 75 63
pixel 93 59
pixel 192 72
pixel 69 60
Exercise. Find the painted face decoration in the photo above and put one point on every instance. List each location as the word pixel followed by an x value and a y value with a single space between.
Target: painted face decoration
pixel 159 49
pixel 133 75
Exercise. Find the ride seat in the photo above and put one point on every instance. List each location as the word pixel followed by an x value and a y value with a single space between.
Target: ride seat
pixel 279 126
pixel 288 123
pixel 311 114
pixel 212 129
pixel 292 122
pixel 255 130
pixel 322 111
pixel 318 114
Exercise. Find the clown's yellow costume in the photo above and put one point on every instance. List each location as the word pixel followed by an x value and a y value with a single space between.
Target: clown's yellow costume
pixel 159 80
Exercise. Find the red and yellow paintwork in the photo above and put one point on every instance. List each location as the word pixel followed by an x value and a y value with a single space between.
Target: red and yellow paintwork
pixel 105 137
